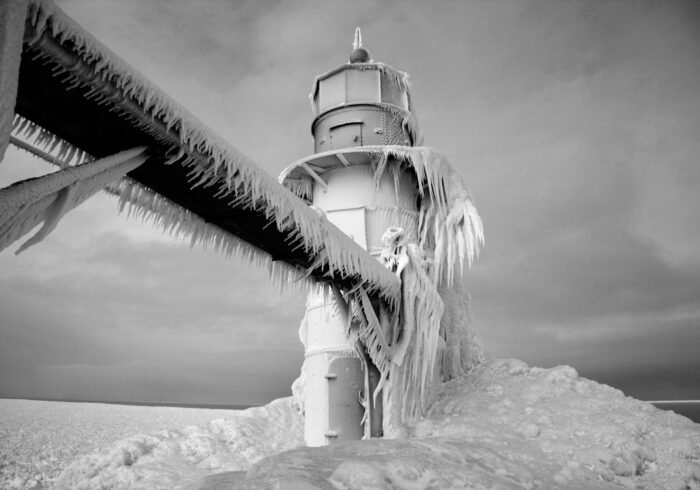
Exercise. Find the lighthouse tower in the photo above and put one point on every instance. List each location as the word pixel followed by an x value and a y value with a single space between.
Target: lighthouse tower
pixel 359 107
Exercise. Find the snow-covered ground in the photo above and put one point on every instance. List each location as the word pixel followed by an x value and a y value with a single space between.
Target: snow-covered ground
pixel 39 438
pixel 504 426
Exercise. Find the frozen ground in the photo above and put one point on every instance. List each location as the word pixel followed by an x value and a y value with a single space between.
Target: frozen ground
pixel 505 426
pixel 39 438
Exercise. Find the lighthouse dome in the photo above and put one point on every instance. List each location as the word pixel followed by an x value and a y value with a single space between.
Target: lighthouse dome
pixel 359 55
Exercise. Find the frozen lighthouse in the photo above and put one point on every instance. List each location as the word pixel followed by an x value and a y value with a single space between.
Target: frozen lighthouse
pixel 367 367
pixel 376 224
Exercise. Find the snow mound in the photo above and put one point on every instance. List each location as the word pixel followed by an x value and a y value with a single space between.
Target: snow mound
pixel 504 426
pixel 578 432
pixel 177 458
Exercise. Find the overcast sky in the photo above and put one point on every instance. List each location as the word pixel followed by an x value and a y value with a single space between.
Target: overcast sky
pixel 575 124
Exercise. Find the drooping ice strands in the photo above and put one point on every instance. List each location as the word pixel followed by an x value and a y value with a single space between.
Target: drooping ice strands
pixel 449 223
pixel 96 73
pixel 406 344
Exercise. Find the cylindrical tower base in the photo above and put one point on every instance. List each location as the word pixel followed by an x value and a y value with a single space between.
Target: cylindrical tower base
pixel 334 377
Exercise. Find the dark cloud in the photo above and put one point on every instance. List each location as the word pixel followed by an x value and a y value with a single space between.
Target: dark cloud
pixel 181 322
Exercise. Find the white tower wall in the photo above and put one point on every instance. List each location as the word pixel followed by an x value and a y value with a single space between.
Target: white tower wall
pixel 353 202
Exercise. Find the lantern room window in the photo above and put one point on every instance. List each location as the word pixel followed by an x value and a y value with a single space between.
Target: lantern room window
pixel 363 86
pixel 331 91
pixel 356 86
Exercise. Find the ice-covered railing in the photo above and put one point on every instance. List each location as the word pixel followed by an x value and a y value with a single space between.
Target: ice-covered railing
pixel 142 203
pixel 211 161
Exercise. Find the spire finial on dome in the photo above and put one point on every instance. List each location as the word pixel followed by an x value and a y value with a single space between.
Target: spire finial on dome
pixel 359 54
pixel 357 43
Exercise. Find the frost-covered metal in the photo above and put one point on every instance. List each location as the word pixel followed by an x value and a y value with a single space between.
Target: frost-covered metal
pixel 46 199
pixel 195 182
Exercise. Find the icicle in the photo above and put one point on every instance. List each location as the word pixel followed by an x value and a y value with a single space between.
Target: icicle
pixel 47 143
pixel 406 358
pixel 175 158
pixel 457 231
pixel 382 160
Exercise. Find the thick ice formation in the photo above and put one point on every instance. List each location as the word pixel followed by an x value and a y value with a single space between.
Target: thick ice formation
pixel 38 439
pixel 46 199
pixel 570 432
pixel 408 357
pixel 177 458
pixel 449 224
pixel 450 233
pixel 459 350
pixel 505 426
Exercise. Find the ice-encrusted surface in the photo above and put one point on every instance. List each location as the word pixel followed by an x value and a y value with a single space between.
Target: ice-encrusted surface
pixel 177 458
pixel 210 160
pixel 569 431
pixel 116 446
pixel 503 426
pixel 39 438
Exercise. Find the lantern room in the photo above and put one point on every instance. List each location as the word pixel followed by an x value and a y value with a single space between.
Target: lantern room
pixel 361 103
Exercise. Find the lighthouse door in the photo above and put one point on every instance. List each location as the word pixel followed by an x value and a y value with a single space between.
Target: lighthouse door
pixel 345 410
pixel 346 135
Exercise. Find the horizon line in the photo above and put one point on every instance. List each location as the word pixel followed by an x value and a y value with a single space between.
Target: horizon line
pixel 126 402
pixel 673 401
